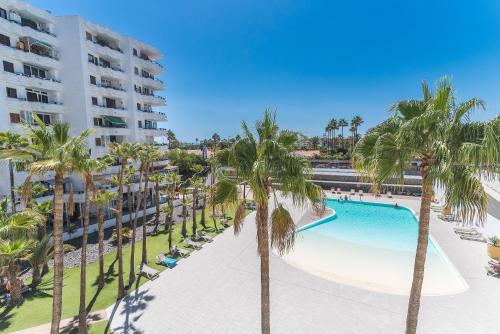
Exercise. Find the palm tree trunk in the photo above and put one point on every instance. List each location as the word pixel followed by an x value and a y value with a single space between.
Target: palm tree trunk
pixel 202 220
pixel 144 218
pixel 184 213
pixel 58 252
pixel 82 315
pixel 418 270
pixel 157 202
pixel 194 227
pixel 15 290
pixel 131 277
pixel 12 193
pixel 263 245
pixel 100 226
pixel 36 276
pixel 119 212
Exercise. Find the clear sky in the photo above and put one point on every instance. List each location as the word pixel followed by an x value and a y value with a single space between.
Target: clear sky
pixel 310 60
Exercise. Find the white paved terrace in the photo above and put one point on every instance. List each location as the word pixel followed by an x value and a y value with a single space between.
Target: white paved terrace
pixel 216 290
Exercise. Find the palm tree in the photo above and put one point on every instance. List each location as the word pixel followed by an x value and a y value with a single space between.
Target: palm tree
pixel 268 163
pixel 101 200
pixel 452 152
pixel 356 123
pixel 127 179
pixel 45 209
pixel 197 184
pixel 167 210
pixel 11 141
pixel 86 168
pixel 184 192
pixel 157 178
pixel 315 142
pixel 123 152
pixel 16 231
pixel 53 149
pixel 149 155
pixel 205 189
pixel 342 123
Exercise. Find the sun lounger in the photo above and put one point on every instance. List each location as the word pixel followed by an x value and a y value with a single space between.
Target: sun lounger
pixel 166 261
pixel 464 231
pixel 205 237
pixel 192 244
pixel 339 191
pixel 493 268
pixel 179 251
pixel 389 194
pixel 471 237
pixel 353 192
pixel 360 192
pixel 147 271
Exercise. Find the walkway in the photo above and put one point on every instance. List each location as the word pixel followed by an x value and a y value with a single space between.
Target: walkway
pixel 216 290
pixel 65 324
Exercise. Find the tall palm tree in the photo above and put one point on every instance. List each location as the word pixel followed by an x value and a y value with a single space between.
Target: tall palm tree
pixel 342 123
pixel 45 209
pixel 268 163
pixel 204 189
pixel 334 127
pixel 356 123
pixel 124 153
pixel 86 168
pixel 128 180
pixel 11 141
pixel 157 178
pixel 196 184
pixel 184 192
pixel 150 154
pixel 101 200
pixel 452 152
pixel 167 210
pixel 53 149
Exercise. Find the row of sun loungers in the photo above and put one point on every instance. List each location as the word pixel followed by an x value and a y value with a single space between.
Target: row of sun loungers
pixel 353 192
pixel 470 234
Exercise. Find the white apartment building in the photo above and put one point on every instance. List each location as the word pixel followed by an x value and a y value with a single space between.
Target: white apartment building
pixel 68 69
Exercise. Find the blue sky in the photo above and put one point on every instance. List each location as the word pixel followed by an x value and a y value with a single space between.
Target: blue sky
pixel 310 60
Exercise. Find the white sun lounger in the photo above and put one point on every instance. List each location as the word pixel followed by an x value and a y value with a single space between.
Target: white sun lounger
pixel 353 192
pixel 181 252
pixel 389 194
pixel 192 244
pixel 147 271
pixel 203 236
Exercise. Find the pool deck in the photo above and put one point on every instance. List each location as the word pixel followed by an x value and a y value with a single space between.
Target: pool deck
pixel 216 290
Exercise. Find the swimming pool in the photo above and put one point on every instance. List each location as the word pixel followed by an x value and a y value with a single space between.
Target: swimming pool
pixel 371 246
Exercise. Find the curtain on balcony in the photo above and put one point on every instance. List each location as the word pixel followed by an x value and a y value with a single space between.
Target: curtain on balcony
pixel 116 121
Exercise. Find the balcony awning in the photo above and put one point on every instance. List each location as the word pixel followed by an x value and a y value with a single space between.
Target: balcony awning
pixel 40 43
pixel 115 120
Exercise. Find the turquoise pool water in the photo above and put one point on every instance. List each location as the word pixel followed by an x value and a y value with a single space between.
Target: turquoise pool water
pixel 372 246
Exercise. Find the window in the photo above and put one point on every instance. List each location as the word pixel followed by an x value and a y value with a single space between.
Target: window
pixel 11 92
pixel 106 83
pixel 136 70
pixel 88 36
pixel 29 23
pixel 27 116
pixel 139 124
pixel 94 100
pixel 93 59
pixel 3 13
pixel 92 80
pixel 134 51
pixel 33 95
pixel 8 66
pixel 98 141
pixel 45 118
pixel 34 71
pixel 148 108
pixel 110 103
pixel 105 63
pixel 138 106
pixel 5 40
pixel 15 118
pixel 97 121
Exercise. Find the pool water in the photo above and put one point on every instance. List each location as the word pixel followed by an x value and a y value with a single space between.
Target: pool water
pixel 371 246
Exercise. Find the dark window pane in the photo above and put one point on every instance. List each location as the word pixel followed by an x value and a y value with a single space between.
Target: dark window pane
pixel 5 40
pixel 8 66
pixel 32 96
pixel 15 118
pixel 12 92
pixel 27 70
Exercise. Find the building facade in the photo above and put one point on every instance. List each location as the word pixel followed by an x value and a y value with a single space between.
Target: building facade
pixel 67 69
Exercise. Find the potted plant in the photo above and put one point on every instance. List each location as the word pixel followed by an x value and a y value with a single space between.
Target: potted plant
pixel 494 248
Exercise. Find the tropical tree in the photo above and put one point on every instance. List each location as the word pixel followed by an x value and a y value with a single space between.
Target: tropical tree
pixel 11 141
pixel 45 209
pixel 315 142
pixel 149 154
pixel 196 184
pixel 52 149
pixel 452 153
pixel 86 168
pixel 268 163
pixel 342 123
pixel 157 178
pixel 172 140
pixel 355 124
pixel 124 153
pixel 101 200
pixel 204 189
pixel 167 210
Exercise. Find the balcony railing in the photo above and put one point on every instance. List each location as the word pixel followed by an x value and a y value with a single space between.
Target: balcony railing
pixel 149 60
pixel 26 25
pixel 151 111
pixel 26 100
pixel 110 86
pixel 101 43
pixel 34 76
pixel 109 107
pixel 35 53
pixel 112 126
pixel 114 68
pixel 151 77
pixel 150 94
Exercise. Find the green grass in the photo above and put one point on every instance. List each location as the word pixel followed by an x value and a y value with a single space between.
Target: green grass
pixel 36 308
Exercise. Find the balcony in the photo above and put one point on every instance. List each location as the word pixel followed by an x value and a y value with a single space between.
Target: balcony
pixel 152 99
pixel 156 84
pixel 111 131
pixel 21 79
pixel 112 71
pixel 105 49
pixel 26 56
pixel 27 30
pixel 53 107
pixel 158 132
pixel 150 65
pixel 109 91
pixel 103 110
pixel 152 115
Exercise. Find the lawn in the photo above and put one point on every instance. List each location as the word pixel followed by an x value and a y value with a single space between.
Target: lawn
pixel 37 306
